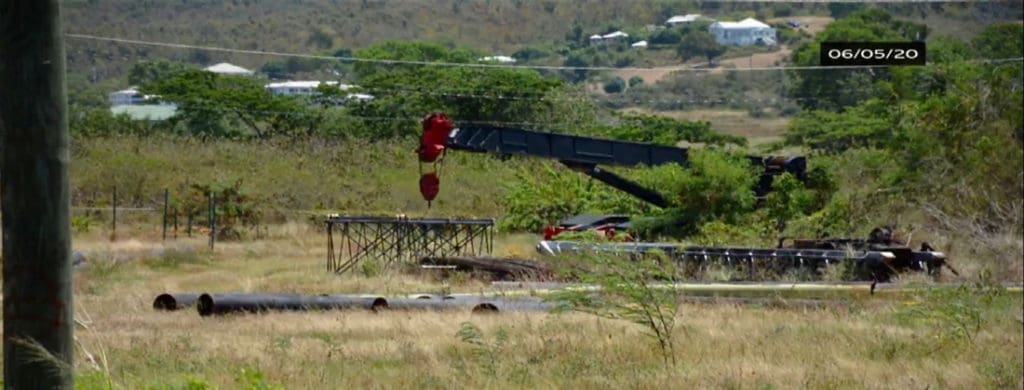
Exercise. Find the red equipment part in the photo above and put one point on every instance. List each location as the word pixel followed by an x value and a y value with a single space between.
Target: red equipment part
pixel 606 231
pixel 430 185
pixel 436 128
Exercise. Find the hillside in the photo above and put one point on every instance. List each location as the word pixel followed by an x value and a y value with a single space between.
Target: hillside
pixel 328 27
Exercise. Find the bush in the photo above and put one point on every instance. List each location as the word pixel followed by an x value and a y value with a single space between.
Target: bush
pixel 233 208
pixel 635 81
pixel 615 85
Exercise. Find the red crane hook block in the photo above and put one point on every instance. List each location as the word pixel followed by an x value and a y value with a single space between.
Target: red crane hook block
pixel 436 128
pixel 430 186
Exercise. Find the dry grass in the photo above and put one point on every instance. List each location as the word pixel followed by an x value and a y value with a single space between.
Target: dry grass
pixel 723 346
pixel 756 60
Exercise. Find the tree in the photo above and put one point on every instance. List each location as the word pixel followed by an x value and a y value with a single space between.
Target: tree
pixel 836 90
pixel 212 105
pixel 700 44
pixel 464 93
pixel 1000 41
pixel 275 70
pixel 842 10
pixel 144 73
pixel 668 36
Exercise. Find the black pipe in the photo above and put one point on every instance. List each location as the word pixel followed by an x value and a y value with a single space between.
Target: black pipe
pixel 475 304
pixel 172 302
pixel 212 304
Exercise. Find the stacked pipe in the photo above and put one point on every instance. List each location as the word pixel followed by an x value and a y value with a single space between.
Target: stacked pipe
pixel 219 304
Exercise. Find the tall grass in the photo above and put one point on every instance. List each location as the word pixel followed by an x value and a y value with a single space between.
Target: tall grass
pixel 347 177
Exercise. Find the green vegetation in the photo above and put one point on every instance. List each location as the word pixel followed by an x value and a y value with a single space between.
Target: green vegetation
pixel 903 144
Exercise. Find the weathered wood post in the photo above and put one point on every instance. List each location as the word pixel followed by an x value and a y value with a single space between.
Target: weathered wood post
pixel 38 313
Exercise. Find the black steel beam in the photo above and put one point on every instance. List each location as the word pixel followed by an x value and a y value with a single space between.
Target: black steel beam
pixel 618 182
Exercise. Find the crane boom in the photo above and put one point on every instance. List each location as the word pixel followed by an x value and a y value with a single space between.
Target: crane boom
pixel 583 154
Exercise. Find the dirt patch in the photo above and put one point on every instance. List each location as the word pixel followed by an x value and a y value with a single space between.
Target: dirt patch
pixel 758 60
pixel 650 76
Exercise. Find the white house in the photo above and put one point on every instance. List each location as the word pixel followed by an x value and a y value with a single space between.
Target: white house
pixel 126 97
pixel 134 104
pixel 639 45
pixel 685 19
pixel 615 35
pixel 228 69
pixel 308 88
pixel 743 33
pixel 301 88
pixel 498 59
pixel 132 97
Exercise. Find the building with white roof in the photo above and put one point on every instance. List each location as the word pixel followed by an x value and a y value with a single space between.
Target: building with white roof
pixel 498 59
pixel 684 19
pixel 301 88
pixel 743 33
pixel 132 97
pixel 228 69
pixel 639 45
pixel 615 35
pixel 126 97
pixel 309 88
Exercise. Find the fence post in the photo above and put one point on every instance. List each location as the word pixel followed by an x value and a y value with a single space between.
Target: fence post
pixel 113 228
pixel 175 223
pixel 167 198
pixel 213 219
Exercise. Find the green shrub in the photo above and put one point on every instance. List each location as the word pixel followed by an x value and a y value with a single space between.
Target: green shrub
pixel 615 85
pixel 635 81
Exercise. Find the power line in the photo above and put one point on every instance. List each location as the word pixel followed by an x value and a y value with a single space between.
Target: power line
pixel 679 68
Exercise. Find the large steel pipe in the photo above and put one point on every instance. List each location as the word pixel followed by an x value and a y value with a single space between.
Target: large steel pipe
pixel 172 302
pixel 474 304
pixel 215 304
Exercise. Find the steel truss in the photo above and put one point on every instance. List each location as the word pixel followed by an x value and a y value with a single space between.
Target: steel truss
pixel 404 240
pixel 871 265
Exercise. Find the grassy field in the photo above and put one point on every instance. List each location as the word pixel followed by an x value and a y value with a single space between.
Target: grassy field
pixel 123 344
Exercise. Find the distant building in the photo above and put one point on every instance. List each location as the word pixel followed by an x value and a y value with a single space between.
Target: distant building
pixel 639 45
pixel 685 19
pixel 308 88
pixel 498 59
pixel 743 33
pixel 301 88
pixel 615 35
pixel 131 97
pixel 146 112
pixel 126 97
pixel 228 69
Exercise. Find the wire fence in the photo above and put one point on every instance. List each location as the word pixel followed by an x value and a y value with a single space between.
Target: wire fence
pixel 172 216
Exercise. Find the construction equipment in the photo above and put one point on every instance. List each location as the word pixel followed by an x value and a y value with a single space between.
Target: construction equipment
pixel 611 227
pixel 879 258
pixel 882 239
pixel 582 154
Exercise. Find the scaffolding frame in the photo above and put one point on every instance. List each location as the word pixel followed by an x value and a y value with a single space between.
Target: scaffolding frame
pixel 395 240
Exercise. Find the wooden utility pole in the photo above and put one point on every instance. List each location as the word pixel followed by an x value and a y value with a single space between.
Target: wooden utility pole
pixel 34 198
